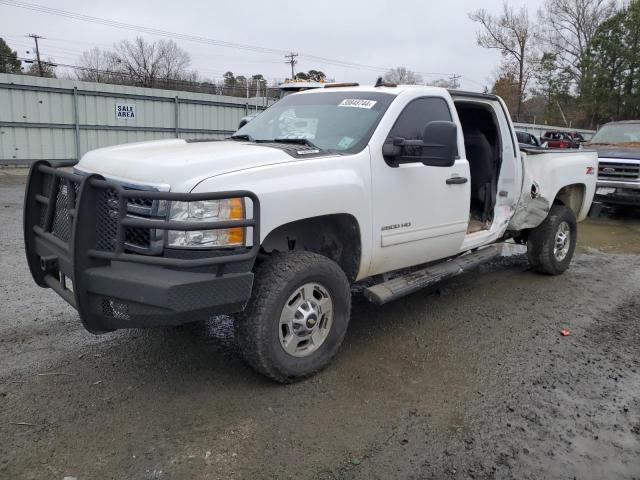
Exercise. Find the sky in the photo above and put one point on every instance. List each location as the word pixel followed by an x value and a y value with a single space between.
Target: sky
pixel 434 38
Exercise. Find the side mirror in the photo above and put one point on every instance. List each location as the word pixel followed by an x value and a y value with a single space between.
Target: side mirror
pixel 438 147
pixel 440 144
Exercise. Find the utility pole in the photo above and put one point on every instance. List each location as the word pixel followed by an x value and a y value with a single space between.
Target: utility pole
pixel 35 38
pixel 566 124
pixel 454 80
pixel 292 61
pixel 247 109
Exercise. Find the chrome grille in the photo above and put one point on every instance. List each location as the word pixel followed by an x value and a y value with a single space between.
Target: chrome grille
pixel 618 171
pixel 142 206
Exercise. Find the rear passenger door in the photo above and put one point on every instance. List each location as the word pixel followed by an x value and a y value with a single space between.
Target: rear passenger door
pixel 420 213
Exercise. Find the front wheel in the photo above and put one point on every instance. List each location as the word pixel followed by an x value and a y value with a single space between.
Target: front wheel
pixel 297 316
pixel 551 244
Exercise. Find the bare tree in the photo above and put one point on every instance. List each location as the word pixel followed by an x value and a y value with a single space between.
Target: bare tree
pixel 402 76
pixel 512 34
pixel 149 63
pixel 450 83
pixel 47 69
pixel 568 29
pixel 96 65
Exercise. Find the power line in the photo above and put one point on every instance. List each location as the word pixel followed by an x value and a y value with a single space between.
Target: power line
pixel 197 39
pixel 136 28
pixel 117 74
pixel 74 55
pixel 57 50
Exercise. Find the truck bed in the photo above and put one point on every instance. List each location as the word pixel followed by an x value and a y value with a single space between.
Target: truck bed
pixel 546 173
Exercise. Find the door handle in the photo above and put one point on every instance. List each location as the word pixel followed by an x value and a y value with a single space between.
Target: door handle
pixel 457 180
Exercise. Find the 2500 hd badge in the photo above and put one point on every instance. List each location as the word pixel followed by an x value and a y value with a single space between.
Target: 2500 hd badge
pixel 395 226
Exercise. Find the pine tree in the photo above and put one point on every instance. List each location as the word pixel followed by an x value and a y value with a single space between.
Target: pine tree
pixel 9 62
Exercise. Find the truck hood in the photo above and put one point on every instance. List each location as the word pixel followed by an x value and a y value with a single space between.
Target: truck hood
pixel 178 165
pixel 609 151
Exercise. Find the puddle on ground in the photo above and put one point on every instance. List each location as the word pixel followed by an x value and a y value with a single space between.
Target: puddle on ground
pixel 615 231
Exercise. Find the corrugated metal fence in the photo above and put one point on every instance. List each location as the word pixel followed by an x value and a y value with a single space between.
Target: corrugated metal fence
pixel 54 119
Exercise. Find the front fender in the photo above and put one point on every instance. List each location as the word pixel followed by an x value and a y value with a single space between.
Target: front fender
pixel 305 189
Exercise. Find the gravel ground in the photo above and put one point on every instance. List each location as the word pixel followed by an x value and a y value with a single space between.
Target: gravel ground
pixel 472 380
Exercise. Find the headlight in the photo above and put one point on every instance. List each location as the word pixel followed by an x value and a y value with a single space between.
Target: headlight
pixel 207 211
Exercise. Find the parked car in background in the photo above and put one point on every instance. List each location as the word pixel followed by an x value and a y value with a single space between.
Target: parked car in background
pixel 577 139
pixel 558 139
pixel 528 140
pixel 618 147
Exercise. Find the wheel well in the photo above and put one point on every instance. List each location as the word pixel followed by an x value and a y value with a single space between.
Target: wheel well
pixel 571 196
pixel 334 236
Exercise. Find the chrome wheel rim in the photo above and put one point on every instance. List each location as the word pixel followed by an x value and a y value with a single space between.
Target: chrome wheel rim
pixel 306 319
pixel 562 241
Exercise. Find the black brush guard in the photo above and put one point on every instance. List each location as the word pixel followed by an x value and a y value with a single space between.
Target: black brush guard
pixel 82 241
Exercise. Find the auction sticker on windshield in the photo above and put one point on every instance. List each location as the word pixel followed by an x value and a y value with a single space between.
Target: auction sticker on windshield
pixel 357 103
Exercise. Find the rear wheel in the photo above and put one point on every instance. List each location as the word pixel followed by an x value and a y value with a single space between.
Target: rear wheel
pixel 297 316
pixel 551 244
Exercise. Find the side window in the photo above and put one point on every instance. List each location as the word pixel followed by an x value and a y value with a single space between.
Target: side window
pixel 416 115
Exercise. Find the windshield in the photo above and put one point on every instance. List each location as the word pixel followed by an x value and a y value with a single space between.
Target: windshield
pixel 618 133
pixel 334 121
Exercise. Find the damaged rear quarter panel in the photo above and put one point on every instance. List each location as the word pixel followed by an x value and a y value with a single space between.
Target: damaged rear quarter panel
pixel 531 211
pixel 545 174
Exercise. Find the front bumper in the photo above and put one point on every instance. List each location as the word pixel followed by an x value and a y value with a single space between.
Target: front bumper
pixel 618 192
pixel 78 233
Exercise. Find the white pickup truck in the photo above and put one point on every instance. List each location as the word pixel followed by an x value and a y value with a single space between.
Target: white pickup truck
pixel 399 185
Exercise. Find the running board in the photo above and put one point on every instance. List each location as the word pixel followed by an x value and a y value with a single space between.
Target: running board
pixel 400 286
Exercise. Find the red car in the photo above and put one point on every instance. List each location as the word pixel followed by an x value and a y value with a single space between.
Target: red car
pixel 557 139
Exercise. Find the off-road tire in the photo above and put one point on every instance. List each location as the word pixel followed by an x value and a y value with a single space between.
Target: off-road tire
pixel 541 241
pixel 256 328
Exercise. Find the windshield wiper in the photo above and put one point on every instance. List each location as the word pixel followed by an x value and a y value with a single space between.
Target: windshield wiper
pixel 297 141
pixel 243 136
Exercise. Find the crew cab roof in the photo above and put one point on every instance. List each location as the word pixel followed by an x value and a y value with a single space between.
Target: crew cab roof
pixel 397 90
pixel 464 93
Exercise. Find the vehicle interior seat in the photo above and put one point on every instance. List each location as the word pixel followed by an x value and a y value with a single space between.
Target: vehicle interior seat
pixel 481 164
pixel 482 148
